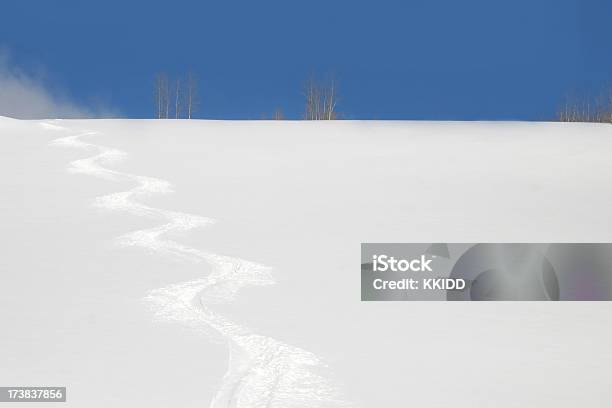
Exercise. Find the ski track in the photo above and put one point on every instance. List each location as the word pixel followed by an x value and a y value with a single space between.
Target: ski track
pixel 262 372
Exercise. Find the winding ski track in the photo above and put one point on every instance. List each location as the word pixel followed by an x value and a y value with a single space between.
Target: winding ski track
pixel 262 372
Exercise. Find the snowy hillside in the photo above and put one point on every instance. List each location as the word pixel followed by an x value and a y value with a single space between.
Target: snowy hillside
pixel 212 263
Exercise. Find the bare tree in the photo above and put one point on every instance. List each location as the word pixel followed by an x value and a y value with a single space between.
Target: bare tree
pixel 166 92
pixel 177 99
pixel 581 108
pixel 330 100
pixel 161 96
pixel 157 97
pixel 605 112
pixel 313 100
pixel 278 114
pixel 321 100
pixel 573 110
pixel 191 97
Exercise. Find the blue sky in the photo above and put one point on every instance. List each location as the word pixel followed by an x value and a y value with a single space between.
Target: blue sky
pixel 419 59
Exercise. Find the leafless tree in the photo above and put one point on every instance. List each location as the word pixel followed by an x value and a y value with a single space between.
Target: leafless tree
pixel 606 105
pixel 581 108
pixel 167 96
pixel 330 100
pixel 191 97
pixel 313 98
pixel 180 95
pixel 162 96
pixel 178 106
pixel 574 109
pixel 321 100
pixel 278 114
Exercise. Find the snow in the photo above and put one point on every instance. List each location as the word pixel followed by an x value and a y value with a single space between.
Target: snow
pixel 214 263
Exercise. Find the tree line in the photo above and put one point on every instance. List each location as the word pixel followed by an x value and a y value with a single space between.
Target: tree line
pixel 176 98
pixel 179 98
pixel 587 108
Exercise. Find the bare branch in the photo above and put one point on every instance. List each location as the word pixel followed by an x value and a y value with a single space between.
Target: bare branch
pixel 161 96
pixel 192 94
pixel 278 114
pixel 321 100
